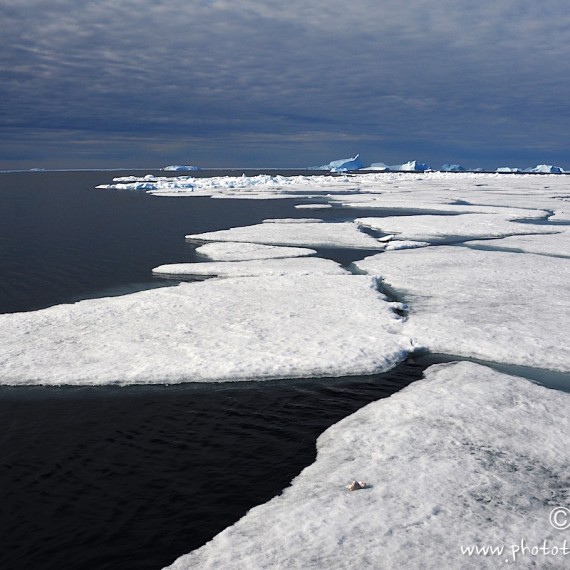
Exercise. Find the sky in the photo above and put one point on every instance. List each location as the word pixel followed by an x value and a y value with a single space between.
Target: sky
pixel 251 83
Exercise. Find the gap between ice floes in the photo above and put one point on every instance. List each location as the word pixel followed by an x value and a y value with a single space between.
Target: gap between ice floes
pixel 548 378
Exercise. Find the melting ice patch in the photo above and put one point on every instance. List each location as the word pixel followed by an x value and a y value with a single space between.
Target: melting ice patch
pixel 495 306
pixel 468 456
pixel 215 330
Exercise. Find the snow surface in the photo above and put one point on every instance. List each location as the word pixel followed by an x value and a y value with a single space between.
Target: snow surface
pixel 491 305
pixel 228 251
pixel 310 234
pixel 250 268
pixel 467 456
pixel 215 330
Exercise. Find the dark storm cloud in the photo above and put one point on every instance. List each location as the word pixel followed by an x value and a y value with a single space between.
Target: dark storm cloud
pixel 284 83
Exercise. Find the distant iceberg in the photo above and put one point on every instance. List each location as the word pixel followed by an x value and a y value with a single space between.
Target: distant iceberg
pixel 341 165
pixel 379 166
pixel 411 166
pixel 452 168
pixel 178 168
pixel 507 170
pixel 546 169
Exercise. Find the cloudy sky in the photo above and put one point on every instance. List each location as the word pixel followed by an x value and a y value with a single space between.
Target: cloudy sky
pixel 145 83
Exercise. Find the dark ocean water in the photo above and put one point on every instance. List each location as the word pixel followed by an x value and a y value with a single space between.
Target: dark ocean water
pixel 130 478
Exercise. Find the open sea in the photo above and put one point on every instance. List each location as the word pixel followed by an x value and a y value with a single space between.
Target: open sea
pixel 99 478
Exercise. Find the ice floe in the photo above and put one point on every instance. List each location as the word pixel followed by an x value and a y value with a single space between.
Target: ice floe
pixel 313 206
pixel 465 457
pixel 491 305
pixel 215 330
pixel 433 228
pixel 249 268
pixel 229 251
pixel 309 234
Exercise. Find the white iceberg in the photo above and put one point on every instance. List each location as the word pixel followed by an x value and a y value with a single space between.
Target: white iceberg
pixel 309 234
pixel 491 305
pixel 180 167
pixel 411 166
pixel 452 168
pixel 508 170
pixel 228 251
pixel 215 330
pixel 341 165
pixel 251 268
pixel 379 166
pixel 466 457
pixel 546 169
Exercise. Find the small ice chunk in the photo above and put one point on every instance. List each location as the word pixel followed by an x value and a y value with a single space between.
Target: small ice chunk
pixel 357 485
pixel 292 221
pixel 313 206
pixel 405 244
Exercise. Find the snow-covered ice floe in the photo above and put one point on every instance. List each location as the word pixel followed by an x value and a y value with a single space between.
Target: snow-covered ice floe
pixel 216 330
pixel 250 268
pixel 433 228
pixel 230 251
pixel 309 233
pixel 491 305
pixel 466 457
